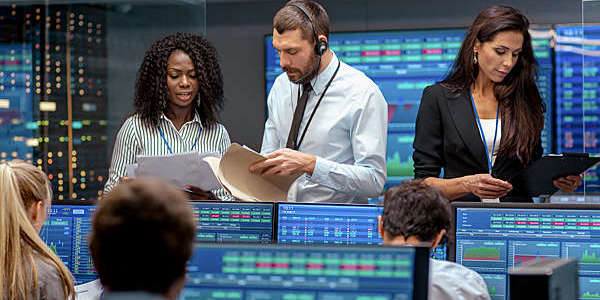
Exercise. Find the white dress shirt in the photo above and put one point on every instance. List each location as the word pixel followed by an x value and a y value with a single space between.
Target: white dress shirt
pixel 348 134
pixel 451 281
pixel 489 129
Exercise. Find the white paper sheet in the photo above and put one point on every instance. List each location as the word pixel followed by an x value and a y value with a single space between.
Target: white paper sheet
pixel 181 169
pixel 89 291
pixel 130 170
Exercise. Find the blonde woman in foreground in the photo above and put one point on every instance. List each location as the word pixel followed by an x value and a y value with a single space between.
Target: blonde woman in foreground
pixel 30 270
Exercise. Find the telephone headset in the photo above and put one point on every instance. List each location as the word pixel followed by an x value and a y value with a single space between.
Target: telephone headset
pixel 320 49
pixel 320 46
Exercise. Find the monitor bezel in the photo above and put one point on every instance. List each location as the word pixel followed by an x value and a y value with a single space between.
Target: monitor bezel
pixel 451 244
pixel 75 202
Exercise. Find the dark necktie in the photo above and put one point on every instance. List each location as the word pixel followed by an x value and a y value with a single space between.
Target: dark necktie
pixel 298 114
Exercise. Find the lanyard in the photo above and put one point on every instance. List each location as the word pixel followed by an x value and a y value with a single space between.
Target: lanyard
pixel 487 154
pixel 167 143
pixel 297 146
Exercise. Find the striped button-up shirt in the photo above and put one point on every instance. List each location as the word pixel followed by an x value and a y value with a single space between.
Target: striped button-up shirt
pixel 137 138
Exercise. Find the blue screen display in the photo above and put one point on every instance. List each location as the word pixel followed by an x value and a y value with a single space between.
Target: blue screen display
pixel 577 98
pixel 330 224
pixel 16 102
pixel 492 240
pixel 234 222
pixel 541 40
pixel 66 231
pixel 402 64
pixel 67 227
pixel 222 271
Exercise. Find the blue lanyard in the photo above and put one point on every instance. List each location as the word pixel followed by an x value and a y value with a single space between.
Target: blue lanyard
pixel 167 143
pixel 487 154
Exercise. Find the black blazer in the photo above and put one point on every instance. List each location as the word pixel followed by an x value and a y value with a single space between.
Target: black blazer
pixel 447 136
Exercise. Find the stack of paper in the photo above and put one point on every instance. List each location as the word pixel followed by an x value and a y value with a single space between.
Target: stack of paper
pixel 181 169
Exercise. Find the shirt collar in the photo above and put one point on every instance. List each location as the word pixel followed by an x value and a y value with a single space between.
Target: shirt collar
pixel 196 119
pixel 320 81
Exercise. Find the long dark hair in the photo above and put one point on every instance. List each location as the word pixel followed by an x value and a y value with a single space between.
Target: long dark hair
pixel 151 91
pixel 518 95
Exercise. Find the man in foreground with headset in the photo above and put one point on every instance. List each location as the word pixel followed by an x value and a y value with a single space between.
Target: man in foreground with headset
pixel 327 120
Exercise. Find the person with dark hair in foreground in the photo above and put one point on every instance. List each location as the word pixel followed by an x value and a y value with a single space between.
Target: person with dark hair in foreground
pixel 142 237
pixel 483 123
pixel 327 120
pixel 178 94
pixel 413 214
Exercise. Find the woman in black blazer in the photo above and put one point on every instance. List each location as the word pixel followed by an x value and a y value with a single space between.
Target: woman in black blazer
pixel 490 94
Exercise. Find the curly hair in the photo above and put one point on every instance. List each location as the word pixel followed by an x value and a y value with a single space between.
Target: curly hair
pixel 415 209
pixel 151 91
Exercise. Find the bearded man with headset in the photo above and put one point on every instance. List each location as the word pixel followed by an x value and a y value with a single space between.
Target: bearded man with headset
pixel 327 120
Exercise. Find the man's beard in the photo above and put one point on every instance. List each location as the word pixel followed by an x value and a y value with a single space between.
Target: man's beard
pixel 316 63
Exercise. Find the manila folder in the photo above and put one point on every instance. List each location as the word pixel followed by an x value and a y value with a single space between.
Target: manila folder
pixel 232 170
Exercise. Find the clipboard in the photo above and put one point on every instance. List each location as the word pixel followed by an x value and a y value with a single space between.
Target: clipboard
pixel 536 179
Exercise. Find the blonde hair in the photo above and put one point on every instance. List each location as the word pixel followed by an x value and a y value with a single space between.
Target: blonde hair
pixel 22 185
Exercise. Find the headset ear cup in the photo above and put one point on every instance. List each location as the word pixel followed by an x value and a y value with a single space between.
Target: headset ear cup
pixel 322 48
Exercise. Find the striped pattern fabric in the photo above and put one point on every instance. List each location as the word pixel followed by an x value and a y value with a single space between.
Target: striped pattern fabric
pixel 136 138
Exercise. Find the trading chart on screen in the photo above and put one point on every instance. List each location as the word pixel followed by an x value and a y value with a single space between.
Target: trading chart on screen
pixel 492 240
pixel 221 271
pixel 66 232
pixel 577 58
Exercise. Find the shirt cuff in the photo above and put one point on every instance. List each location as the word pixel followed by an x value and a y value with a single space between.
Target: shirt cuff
pixel 321 171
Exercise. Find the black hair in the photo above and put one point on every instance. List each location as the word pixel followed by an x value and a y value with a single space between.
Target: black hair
pixel 151 91
pixel 142 236
pixel 415 209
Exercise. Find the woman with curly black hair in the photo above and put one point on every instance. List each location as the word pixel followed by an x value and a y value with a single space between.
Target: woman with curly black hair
pixel 178 94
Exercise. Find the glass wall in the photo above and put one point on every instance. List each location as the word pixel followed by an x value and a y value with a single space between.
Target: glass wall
pixel 67 76
pixel 577 59
pixel 590 79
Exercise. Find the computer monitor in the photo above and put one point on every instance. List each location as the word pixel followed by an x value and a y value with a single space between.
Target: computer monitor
pixel 69 223
pixel 577 100
pixel 402 63
pixel 492 237
pixel 219 221
pixel 275 271
pixel 66 231
pixel 331 224
pixel 17 122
